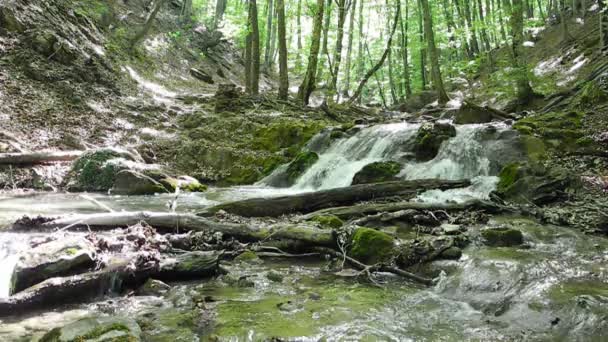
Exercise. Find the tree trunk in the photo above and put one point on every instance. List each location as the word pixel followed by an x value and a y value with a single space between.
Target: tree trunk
pixel 360 54
pixel 391 75
pixel 220 8
pixel 378 65
pixel 484 31
pixel 313 201
pixel 269 33
pixel 283 76
pixel 248 56
pixel 34 158
pixel 404 52
pixel 524 91
pixel 566 37
pixel 148 25
pixel 309 83
pixel 255 47
pixel 187 9
pixel 463 28
pixel 603 26
pixel 343 7
pixel 434 54
pixel 349 49
pixel 423 75
pixel 467 15
pixel 325 41
pixel 299 35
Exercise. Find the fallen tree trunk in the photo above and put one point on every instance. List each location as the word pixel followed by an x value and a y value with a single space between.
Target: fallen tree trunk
pixel 362 210
pixel 181 222
pixel 54 292
pixel 313 201
pixel 38 157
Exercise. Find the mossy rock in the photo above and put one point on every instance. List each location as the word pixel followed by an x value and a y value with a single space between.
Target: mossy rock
pixel 525 183
pixel 131 183
pixel 371 246
pixel 557 129
pixel 300 165
pixel 114 329
pixel 508 176
pixel 96 170
pixel 377 172
pixel 185 184
pixel 502 237
pixel 429 138
pixel 9 22
pixel 591 95
pixel 248 257
pixel 328 221
pixel 285 134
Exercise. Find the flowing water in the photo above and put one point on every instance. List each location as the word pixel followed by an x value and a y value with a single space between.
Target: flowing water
pixel 554 288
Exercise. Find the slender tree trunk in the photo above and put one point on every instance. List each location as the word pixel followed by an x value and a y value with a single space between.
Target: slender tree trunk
pixel 248 56
pixel 473 31
pixel 360 55
pixel 404 51
pixel 283 77
pixel 343 7
pixel 433 53
pixel 187 9
pixel 325 41
pixel 269 33
pixel 463 28
pixel 148 25
pixel 540 11
pixel 220 8
pixel 524 91
pixel 566 37
pixel 603 26
pixel 423 80
pixel 309 82
pixel 378 65
pixel 349 49
pixel 484 31
pixel 255 48
pixel 299 37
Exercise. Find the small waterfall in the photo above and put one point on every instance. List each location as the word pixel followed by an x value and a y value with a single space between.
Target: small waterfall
pixel 466 156
pixel 11 245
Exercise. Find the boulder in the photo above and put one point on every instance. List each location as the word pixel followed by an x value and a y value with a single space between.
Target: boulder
pixel 60 257
pixel 532 183
pixel 153 287
pixel 300 165
pixel 371 246
pixel 429 138
pixel 96 329
pixel 201 75
pixel 328 221
pixel 377 172
pixel 184 183
pixel 502 237
pixel 129 182
pixel 469 114
pixel 418 101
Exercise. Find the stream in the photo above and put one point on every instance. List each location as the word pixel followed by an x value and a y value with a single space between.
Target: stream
pixel 552 288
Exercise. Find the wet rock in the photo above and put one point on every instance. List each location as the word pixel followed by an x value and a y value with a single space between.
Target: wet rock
pixel 274 276
pixel 128 182
pixel 418 101
pixel 60 257
pixel 468 114
pixel 300 165
pixel 452 229
pixel 245 282
pixel 429 138
pixel 502 237
pixel 525 183
pixel 153 287
pixel 452 253
pixel 328 221
pixel 377 172
pixel 248 257
pixel 371 246
pixel 184 183
pixel 96 329
pixel 201 75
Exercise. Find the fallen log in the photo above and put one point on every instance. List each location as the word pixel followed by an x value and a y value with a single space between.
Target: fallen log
pixel 117 277
pixel 181 222
pixel 38 157
pixel 361 210
pixel 313 201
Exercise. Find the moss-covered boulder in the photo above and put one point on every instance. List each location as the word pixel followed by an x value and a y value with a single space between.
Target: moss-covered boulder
pixel 328 221
pixel 184 183
pixel 554 130
pixel 429 138
pixel 502 237
pixel 153 287
pixel 248 257
pixel 96 170
pixel 129 182
pixel 56 258
pixel 299 165
pixel 96 329
pixel 533 183
pixel 371 246
pixel 377 172
pixel 469 114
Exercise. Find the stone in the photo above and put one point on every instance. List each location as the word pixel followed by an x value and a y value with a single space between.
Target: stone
pixel 429 138
pixel 418 101
pixel 201 75
pixel 129 182
pixel 56 258
pixel 452 253
pixel 153 287
pixel 274 276
pixel 248 257
pixel 96 329
pixel 468 114
pixel 377 172
pixel 525 183
pixel 96 170
pixel 502 237
pixel 371 246
pixel 300 165
pixel 9 22
pixel 452 229
pixel 185 184
pixel 328 221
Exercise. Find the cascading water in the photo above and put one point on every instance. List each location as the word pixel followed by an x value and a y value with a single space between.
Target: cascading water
pixel 10 247
pixel 465 156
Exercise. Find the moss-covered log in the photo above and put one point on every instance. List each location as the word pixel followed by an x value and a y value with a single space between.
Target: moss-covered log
pixel 313 201
pixel 32 158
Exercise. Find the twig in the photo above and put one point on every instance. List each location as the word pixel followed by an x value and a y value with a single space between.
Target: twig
pixel 96 202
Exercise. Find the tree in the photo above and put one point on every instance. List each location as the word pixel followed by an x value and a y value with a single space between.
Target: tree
pixel 283 77
pixel 255 48
pixel 349 49
pixel 524 90
pixel 269 33
pixel 299 37
pixel 220 8
pixel 603 26
pixel 309 82
pixel 149 22
pixel 433 53
pixel 343 6
pixel 407 88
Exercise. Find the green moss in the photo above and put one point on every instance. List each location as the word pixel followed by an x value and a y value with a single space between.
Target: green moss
pixel 563 293
pixel 98 332
pixel 508 176
pixel 247 256
pixel 328 221
pixel 299 165
pixel 285 134
pixel 95 171
pixel 377 172
pixel 534 147
pixel 591 95
pixel 371 246
pixel 585 141
pixel 71 251
pixel 502 237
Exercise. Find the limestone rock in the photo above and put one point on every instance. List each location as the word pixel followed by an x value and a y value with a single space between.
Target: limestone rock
pixel 377 172
pixel 429 138
pixel 502 237
pixel 128 182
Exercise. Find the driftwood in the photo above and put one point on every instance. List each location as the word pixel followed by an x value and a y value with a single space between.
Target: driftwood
pixel 117 277
pixel 362 210
pixel 182 222
pixel 38 157
pixel 313 201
